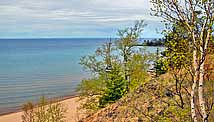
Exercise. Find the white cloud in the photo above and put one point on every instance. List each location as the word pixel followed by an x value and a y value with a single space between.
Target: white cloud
pixel 65 14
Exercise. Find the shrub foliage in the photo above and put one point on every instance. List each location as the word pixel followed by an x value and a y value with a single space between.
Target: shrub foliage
pixel 43 112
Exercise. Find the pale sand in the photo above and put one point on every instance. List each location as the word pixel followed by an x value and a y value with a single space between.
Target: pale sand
pixel 72 114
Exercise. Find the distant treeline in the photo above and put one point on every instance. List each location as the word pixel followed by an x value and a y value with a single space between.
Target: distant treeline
pixel 153 42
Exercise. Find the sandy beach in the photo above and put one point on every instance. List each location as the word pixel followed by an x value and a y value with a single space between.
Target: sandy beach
pixel 72 114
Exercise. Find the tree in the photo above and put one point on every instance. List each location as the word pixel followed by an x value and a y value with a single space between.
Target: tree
pixel 177 61
pixel 115 86
pixel 128 39
pixel 116 69
pixel 196 16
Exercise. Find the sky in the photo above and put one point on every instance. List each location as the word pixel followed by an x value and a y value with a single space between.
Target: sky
pixel 74 18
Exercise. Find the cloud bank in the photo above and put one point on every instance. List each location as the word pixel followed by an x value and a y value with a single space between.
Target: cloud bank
pixel 73 18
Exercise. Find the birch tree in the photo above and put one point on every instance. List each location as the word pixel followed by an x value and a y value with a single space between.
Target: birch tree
pixel 196 16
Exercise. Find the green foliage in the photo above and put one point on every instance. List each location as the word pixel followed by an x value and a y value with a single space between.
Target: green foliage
pixel 92 86
pixel 147 103
pixel 174 63
pixel 94 89
pixel 126 47
pixel 116 69
pixel 91 90
pixel 128 39
pixel 160 66
pixel 175 113
pixel 103 89
pixel 43 112
pixel 115 87
pixel 138 66
pixel 161 99
pixel 178 52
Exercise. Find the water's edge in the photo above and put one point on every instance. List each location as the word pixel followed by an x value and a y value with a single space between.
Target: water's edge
pixel 55 99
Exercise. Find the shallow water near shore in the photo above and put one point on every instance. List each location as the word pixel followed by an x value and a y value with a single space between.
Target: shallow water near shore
pixel 31 68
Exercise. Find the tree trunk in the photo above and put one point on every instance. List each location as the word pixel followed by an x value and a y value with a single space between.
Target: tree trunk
pixel 201 93
pixel 201 79
pixel 195 78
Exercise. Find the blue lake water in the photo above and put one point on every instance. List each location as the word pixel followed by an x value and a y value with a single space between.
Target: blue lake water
pixel 31 68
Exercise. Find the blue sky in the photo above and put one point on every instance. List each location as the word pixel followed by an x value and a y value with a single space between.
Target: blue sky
pixel 73 18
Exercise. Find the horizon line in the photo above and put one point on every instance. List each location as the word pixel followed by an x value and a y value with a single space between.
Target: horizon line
pixel 79 38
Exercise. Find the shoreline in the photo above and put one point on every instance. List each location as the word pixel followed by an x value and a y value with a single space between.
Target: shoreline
pixel 54 99
pixel 72 114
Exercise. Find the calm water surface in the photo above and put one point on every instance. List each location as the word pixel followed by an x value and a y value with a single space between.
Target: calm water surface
pixel 30 68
